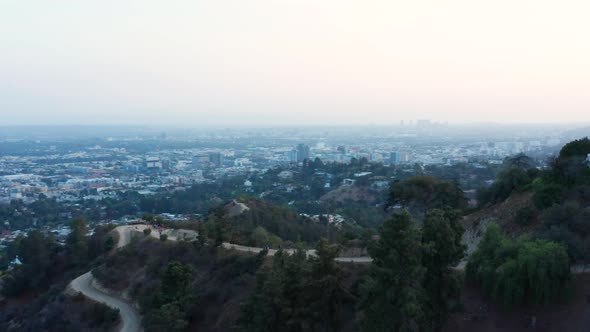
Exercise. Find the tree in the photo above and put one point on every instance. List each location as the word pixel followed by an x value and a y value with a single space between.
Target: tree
pixel 169 317
pixel 443 249
pixel 77 242
pixel 176 279
pixel 427 192
pixel 547 194
pixel 392 294
pixel 324 293
pixel 522 271
pixel 38 254
pixel 269 308
pixel 571 166
pixel 201 235
pixel 508 181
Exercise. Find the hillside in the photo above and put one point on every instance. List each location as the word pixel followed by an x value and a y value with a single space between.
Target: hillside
pixel 220 282
pixel 504 214
pixel 344 194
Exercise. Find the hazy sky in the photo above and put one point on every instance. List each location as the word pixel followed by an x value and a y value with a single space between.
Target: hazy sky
pixel 293 61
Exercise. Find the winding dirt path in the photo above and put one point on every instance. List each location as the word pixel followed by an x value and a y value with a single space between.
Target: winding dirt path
pixel 130 317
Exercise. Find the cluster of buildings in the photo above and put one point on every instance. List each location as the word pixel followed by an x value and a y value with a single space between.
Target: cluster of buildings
pixel 94 171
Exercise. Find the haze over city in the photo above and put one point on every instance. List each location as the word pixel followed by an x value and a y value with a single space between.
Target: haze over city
pixel 293 62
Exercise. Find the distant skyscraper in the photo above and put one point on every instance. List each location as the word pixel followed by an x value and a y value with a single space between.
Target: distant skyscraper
pixel 341 149
pixel 216 159
pixel 303 152
pixel 292 156
pixel 395 158
pixel 200 161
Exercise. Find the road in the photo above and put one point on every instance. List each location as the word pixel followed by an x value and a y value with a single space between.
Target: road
pixel 129 315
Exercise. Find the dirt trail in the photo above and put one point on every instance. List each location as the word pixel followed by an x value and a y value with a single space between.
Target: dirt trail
pixel 129 316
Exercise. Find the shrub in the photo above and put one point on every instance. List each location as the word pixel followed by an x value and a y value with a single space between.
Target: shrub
pixel 525 216
pixel 163 237
pixel 521 271
pixel 147 231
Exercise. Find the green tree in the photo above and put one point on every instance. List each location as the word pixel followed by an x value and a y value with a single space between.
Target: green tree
pixel 324 294
pixel 427 192
pixel 201 235
pixel 267 309
pixel 443 249
pixel 39 255
pixel 522 271
pixel 392 294
pixel 77 242
pixel 169 317
pixel 176 279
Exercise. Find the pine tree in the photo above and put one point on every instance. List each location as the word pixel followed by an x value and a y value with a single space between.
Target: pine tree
pixel 393 294
pixel 441 240
pixel 77 242
pixel 324 294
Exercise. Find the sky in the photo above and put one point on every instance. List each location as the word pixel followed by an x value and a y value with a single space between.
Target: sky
pixel 293 62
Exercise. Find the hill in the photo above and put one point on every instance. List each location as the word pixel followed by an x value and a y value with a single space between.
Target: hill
pixel 343 194
pixel 504 214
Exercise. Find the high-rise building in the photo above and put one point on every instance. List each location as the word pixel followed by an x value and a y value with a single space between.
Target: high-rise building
pixel 216 159
pixel 396 157
pixel 341 149
pixel 292 156
pixel 200 161
pixel 303 152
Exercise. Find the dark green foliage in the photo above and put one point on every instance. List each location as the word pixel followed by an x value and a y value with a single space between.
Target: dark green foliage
pixel 411 282
pixel 393 296
pixel 427 192
pixel 443 249
pixel 202 235
pixel 176 279
pixel 569 225
pixel 571 167
pixel 163 237
pixel 547 194
pixel 167 309
pixel 525 216
pixel 284 223
pixel 324 294
pixel 102 241
pixel 39 255
pixel 577 148
pixel 508 181
pixel 518 272
pixel 147 231
pixel 298 294
pixel 270 307
pixel 520 161
pixel 77 242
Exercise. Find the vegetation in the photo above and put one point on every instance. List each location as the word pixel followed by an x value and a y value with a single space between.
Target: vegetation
pixel 442 250
pixel 427 192
pixel 410 282
pixel 298 294
pixel 519 271
pixel 393 296
pixel 518 174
